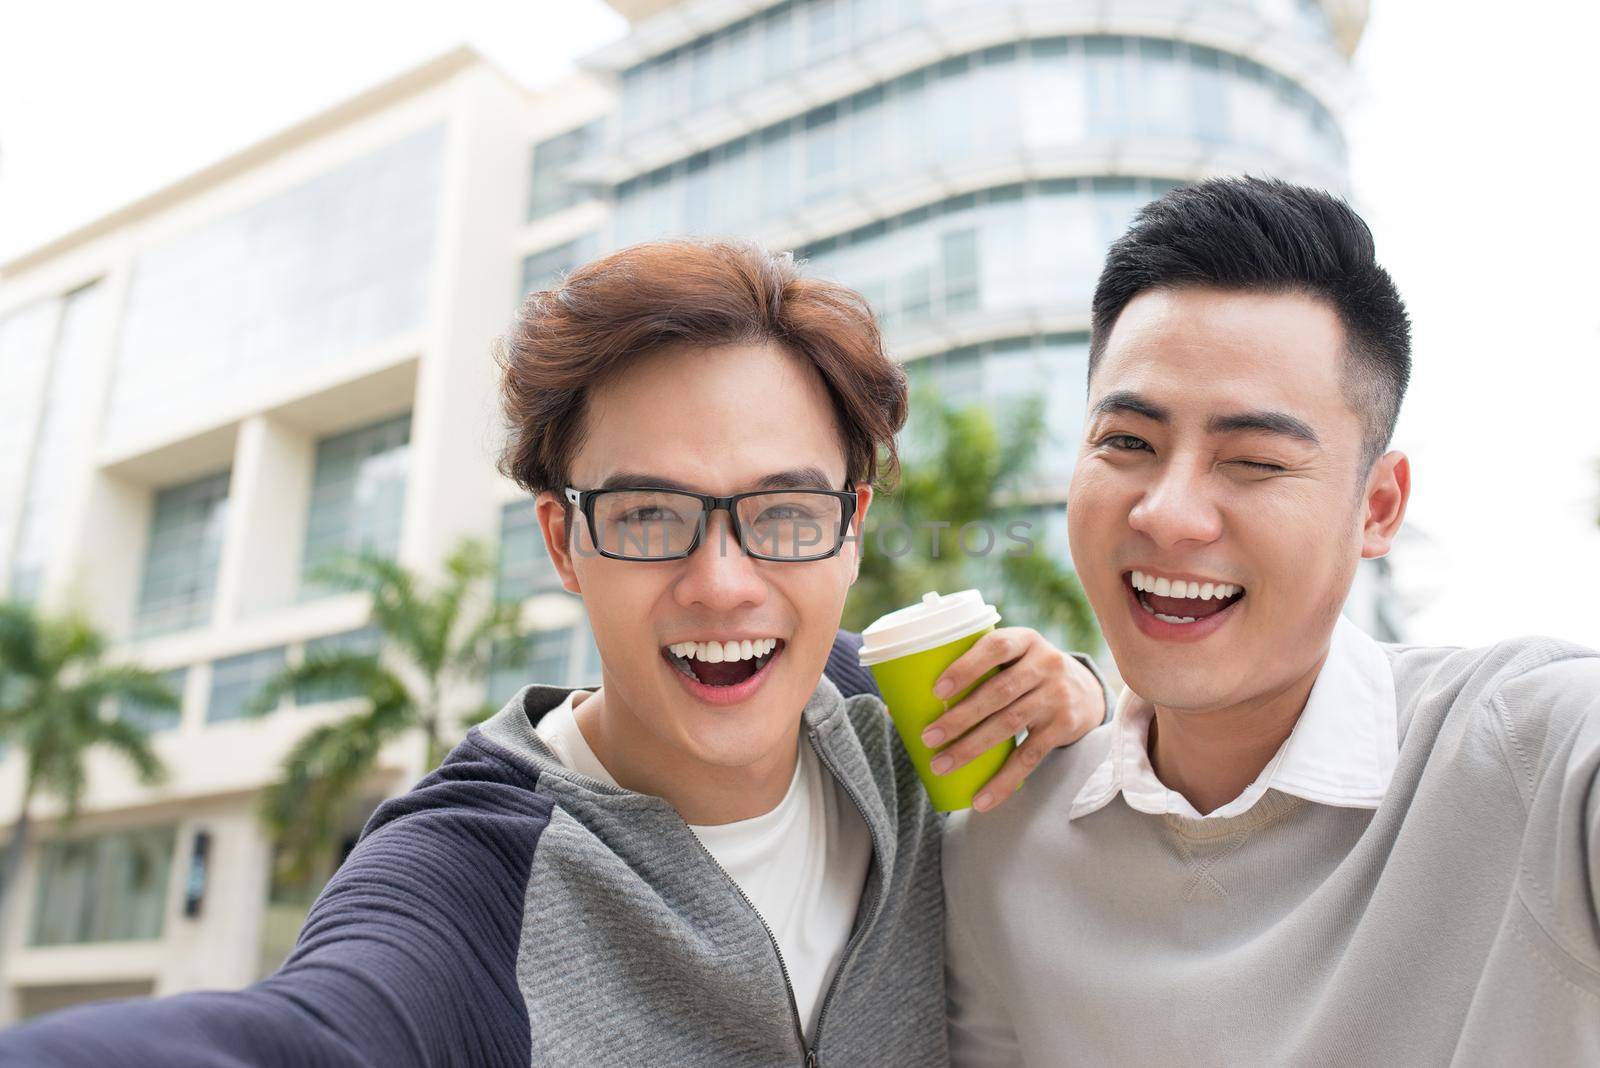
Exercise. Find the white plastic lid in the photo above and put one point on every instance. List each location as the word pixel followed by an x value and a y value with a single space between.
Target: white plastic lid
pixel 934 620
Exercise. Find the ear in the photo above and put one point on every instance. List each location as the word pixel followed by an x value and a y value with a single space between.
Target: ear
pixel 560 537
pixel 858 526
pixel 1384 506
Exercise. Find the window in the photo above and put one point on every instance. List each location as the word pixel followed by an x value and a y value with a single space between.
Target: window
pixel 1011 247
pixel 365 640
pixel 552 159
pixel 564 656
pixel 1043 96
pixel 110 888
pixel 236 679
pixel 544 268
pixel 292 286
pixel 959 250
pixel 63 427
pixel 358 490
pixel 1049 370
pixel 525 567
pixel 180 563
pixel 25 339
pixel 150 718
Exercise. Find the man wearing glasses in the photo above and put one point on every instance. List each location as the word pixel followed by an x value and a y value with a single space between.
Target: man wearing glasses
pixel 714 858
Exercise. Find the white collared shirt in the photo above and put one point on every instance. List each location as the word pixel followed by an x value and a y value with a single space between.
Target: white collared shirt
pixel 1342 751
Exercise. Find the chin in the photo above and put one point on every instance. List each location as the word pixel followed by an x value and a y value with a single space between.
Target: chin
pixel 1175 683
pixel 733 737
pixel 733 746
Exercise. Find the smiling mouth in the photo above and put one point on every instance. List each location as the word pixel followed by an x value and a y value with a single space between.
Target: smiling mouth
pixel 723 663
pixel 1180 602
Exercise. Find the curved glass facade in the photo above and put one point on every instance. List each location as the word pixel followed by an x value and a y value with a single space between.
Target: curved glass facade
pixel 972 197
pixel 1012 248
pixel 1003 376
pixel 787 38
pixel 1051 95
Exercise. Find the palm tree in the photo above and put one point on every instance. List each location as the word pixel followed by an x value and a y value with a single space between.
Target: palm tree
pixel 54 688
pixel 958 469
pixel 431 640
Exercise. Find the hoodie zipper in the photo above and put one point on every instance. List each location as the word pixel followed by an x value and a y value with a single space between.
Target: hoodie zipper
pixel 808 1049
pixel 788 983
pixel 855 937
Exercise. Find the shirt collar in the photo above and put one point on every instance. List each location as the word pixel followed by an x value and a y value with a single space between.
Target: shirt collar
pixel 1342 751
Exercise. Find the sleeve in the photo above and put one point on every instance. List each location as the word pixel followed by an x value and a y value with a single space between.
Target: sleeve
pixel 980 1031
pixel 1094 669
pixel 1550 717
pixel 844 668
pixel 407 958
pixel 1539 995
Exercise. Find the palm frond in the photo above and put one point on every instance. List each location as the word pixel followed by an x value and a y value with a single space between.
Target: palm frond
pixel 467 565
pixel 477 715
pixel 68 641
pixel 322 773
pixel 128 682
pixel 133 745
pixel 500 622
pixel 19 639
pixel 335 670
pixel 1052 595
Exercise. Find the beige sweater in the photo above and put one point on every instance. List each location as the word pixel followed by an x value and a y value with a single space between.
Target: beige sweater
pixel 1458 923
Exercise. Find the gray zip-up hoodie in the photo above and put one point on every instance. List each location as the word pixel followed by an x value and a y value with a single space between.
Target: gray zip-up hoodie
pixel 508 911
pixel 637 948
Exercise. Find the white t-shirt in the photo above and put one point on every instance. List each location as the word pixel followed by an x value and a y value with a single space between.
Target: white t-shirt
pixel 802 865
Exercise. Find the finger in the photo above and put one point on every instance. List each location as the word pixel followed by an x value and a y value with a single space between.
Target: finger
pixel 1008 780
pixel 1006 723
pixel 1002 689
pixel 990 651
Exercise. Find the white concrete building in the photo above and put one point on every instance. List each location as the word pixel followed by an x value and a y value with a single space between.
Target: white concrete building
pixel 207 392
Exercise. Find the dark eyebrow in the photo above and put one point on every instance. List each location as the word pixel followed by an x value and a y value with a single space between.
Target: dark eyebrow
pixel 1265 422
pixel 1127 402
pixel 795 478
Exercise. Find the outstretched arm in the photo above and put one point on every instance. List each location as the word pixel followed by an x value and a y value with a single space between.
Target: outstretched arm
pixel 407 958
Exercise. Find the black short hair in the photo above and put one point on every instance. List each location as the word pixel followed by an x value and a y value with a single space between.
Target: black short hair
pixel 1270 236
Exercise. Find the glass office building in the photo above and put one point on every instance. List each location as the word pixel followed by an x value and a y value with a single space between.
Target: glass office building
pixel 213 390
pixel 962 164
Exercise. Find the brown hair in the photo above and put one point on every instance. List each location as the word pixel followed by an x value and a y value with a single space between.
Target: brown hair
pixel 574 337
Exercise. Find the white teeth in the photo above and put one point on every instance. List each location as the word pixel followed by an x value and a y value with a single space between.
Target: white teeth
pixel 1198 591
pixel 720 652
pixel 1174 619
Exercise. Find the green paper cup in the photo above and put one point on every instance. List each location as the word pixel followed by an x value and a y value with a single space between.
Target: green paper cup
pixel 907 650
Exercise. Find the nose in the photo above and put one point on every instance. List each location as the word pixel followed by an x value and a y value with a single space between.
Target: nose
pixel 718 575
pixel 1178 508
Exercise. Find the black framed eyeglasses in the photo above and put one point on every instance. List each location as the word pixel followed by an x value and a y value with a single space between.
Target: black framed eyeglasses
pixel 647 524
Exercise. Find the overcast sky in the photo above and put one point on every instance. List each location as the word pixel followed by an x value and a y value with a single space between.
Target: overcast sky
pixel 1473 152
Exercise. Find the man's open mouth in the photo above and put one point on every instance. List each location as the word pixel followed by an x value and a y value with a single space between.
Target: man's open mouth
pixel 723 663
pixel 1180 601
